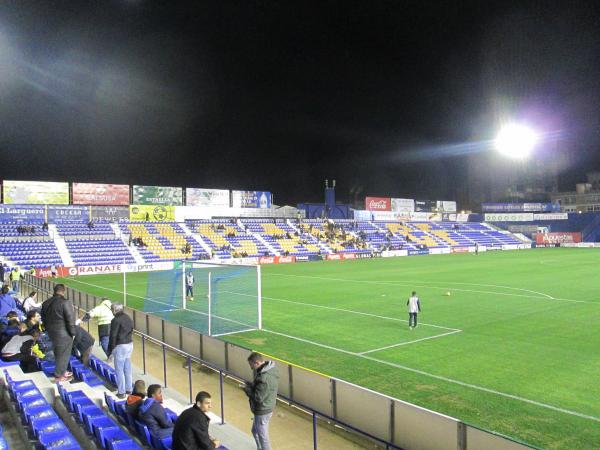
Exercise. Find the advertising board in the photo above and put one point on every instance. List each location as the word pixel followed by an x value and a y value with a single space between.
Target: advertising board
pixel 557 238
pixel 151 213
pixel 425 205
pixel 109 213
pixel 551 216
pixel 35 192
pixel 519 207
pixel 207 197
pixel 340 256
pixel 403 204
pixel 22 213
pixel 446 206
pixel 100 194
pixel 509 217
pixel 157 195
pixel 378 204
pixel 68 213
pixel 276 259
pixel 250 199
pixel 424 251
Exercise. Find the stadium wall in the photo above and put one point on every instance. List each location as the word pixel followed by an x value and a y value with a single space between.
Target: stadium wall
pixel 389 420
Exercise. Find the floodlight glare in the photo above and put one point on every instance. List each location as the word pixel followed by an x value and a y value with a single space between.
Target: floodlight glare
pixel 515 141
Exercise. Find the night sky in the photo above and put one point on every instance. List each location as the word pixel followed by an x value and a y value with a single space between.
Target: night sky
pixel 389 98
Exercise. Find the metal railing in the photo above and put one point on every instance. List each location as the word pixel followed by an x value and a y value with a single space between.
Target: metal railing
pixel 336 401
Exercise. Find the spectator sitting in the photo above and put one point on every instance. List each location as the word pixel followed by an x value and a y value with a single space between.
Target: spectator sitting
pixel 11 329
pixel 152 413
pixel 33 321
pixel 19 348
pixel 135 399
pixel 191 428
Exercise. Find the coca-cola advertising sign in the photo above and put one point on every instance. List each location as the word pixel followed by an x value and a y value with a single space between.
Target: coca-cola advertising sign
pixel 276 259
pixel 378 204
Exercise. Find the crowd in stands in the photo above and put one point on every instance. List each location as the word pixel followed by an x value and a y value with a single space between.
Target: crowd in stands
pixel 32 332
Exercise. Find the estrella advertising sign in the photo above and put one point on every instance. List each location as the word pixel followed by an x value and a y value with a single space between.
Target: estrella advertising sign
pixel 151 213
pixel 378 204
pixel 35 192
pixel 100 194
pixel 403 204
pixel 157 195
pixel 251 199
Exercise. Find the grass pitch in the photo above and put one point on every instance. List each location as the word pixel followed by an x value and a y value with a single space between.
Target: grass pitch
pixel 513 348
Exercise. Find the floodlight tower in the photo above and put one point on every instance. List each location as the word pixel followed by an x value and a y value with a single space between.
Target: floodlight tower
pixel 516 141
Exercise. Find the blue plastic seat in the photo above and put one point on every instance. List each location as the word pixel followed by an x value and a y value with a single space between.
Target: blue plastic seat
pixel 62 440
pixel 47 425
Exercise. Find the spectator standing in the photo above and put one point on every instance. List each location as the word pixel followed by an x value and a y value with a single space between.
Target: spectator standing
pixel 120 347
pixel 414 307
pixel 15 276
pixel 58 316
pixel 262 394
pixel 53 270
pixel 104 315
pixel 1 273
pixel 191 427
pixel 7 302
pixel 152 413
pixel 30 302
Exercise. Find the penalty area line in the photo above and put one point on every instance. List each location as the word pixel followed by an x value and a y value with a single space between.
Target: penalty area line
pixel 442 378
pixel 409 342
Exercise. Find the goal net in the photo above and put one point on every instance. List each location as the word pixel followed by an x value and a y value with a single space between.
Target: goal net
pixel 214 299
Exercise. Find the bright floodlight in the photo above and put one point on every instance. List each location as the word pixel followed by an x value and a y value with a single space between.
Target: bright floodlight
pixel 515 141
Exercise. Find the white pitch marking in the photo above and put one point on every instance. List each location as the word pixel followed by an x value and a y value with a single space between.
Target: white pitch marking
pixel 409 342
pixel 348 311
pixel 446 379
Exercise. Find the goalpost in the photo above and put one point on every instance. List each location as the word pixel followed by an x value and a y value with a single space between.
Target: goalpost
pixel 224 299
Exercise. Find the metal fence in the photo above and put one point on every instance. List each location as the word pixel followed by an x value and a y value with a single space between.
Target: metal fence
pixel 387 421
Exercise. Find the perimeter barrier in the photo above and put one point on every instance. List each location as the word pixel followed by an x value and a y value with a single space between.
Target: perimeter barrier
pixel 387 421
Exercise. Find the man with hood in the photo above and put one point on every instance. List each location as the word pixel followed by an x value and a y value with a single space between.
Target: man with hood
pixel 104 315
pixel 262 394
pixel 152 413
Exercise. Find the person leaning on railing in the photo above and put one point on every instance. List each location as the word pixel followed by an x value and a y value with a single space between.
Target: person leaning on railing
pixel 104 315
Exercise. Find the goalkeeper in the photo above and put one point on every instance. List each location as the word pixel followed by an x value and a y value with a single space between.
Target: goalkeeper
pixel 189 285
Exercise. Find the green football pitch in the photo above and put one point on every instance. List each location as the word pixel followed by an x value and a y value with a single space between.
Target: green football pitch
pixel 513 349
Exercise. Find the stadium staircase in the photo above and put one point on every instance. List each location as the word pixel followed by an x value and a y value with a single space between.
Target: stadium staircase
pixel 84 414
pixel 133 251
pixel 196 237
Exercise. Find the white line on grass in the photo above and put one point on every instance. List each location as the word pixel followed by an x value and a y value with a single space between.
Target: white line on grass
pixel 442 378
pixel 345 310
pixel 540 296
pixel 409 342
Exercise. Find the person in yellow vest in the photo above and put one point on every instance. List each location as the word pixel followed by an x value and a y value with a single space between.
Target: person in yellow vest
pixel 15 276
pixel 104 315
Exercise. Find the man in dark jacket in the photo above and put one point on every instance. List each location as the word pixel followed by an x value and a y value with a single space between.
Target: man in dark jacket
pixel 120 347
pixel 262 393
pixel 83 344
pixel 58 316
pixel 191 428
pixel 152 413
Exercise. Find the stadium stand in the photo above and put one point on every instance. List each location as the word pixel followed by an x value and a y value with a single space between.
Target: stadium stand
pixel 229 238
